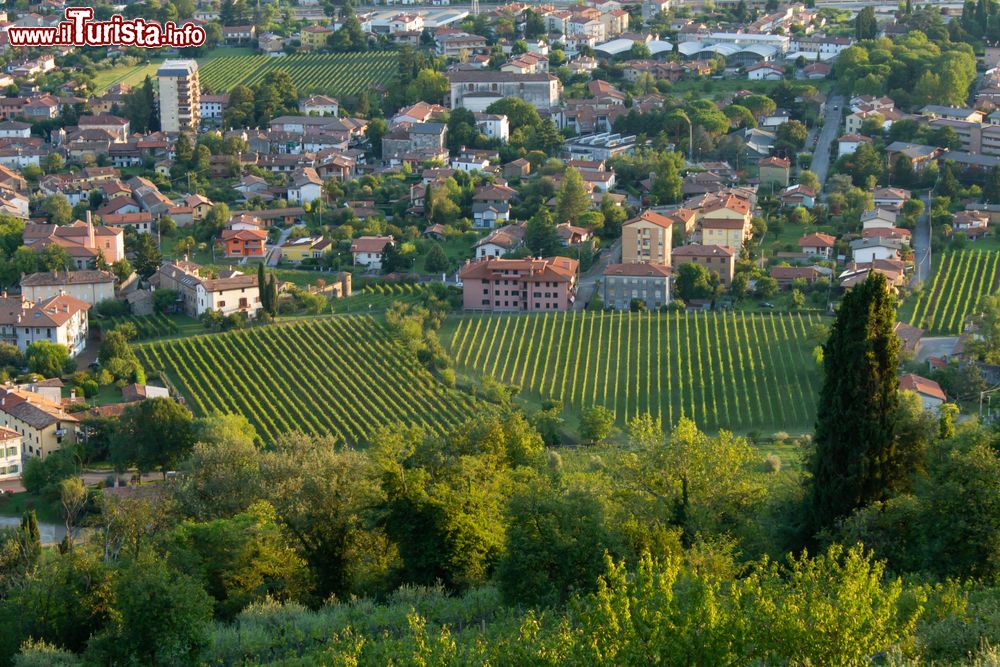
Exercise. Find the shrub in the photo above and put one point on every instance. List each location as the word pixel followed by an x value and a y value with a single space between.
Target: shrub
pixel 772 463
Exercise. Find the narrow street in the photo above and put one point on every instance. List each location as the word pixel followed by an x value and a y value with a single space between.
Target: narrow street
pixel 827 135
pixel 922 243
pixel 592 278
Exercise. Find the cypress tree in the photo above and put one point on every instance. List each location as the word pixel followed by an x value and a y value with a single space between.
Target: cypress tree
pixel 855 461
pixel 30 539
pixel 272 296
pixel 262 288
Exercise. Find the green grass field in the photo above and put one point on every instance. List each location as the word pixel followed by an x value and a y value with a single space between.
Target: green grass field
pixel 340 376
pixel 337 74
pixel 961 279
pixel 740 371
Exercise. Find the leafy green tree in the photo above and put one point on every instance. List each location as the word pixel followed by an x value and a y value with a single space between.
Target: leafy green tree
pixel 991 191
pixel 437 261
pixel 159 616
pixel 572 199
pixel 57 209
pixel 596 423
pixel 154 434
pixel 555 545
pixel 540 234
pixel 54 257
pixel 667 183
pixel 47 359
pixel 695 282
pixel 854 462
pixel 239 561
pixel 320 493
pixel 520 114
pixel 147 255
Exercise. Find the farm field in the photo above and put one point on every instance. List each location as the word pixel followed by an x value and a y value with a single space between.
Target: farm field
pixel 740 371
pixel 960 280
pixel 133 75
pixel 340 376
pixel 328 73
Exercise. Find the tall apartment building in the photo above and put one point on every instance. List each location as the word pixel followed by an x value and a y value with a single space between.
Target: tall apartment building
pixel 647 238
pixel 180 95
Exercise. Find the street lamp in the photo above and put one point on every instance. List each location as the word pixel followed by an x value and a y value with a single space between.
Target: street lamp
pixel 683 114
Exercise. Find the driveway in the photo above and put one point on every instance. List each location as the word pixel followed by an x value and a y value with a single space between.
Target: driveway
pixel 827 135
pixel 274 251
pixel 592 278
pixel 922 243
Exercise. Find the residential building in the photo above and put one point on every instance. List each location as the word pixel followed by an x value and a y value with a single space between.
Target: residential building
pixel 774 171
pixel 726 222
pixel 499 242
pixel 930 392
pixel 179 95
pixel 625 283
pixel 476 90
pixel 817 245
pixel 57 319
pixel 232 292
pixel 84 241
pixel 42 424
pixel 320 105
pixel 519 285
pixel 717 259
pixel 368 250
pixel 865 250
pixel 89 285
pixel 314 37
pixel 306 247
pixel 647 238
pixel 245 242
pixel 11 444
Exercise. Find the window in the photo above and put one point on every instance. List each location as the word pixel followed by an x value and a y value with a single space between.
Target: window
pixel 222 304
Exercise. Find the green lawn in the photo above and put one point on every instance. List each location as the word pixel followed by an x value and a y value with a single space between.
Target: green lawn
pixel 740 371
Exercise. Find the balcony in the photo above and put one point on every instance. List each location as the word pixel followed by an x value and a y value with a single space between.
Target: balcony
pixel 60 432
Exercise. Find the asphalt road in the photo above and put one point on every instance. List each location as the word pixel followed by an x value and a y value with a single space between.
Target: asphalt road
pixel 922 244
pixel 592 278
pixel 829 133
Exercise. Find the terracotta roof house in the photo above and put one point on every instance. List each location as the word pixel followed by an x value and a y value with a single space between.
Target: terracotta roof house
pixel 930 392
pixel 367 250
pixel 817 244
pixel 715 258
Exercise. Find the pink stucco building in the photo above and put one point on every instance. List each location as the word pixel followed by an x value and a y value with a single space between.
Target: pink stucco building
pixel 519 285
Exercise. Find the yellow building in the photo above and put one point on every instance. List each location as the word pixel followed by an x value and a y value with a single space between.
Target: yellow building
pixel 723 232
pixel 43 425
pixel 308 247
pixel 647 238
pixel 314 37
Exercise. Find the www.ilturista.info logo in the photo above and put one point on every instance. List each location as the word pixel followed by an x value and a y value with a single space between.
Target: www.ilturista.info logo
pixel 80 30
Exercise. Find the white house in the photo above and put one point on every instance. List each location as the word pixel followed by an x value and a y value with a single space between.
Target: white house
pixel 15 129
pixel 232 292
pixel 890 197
pixel 367 250
pixel 10 454
pixel 878 218
pixel 306 186
pixel 59 319
pixel 488 214
pixel 866 250
pixel 848 143
pixel 320 105
pixel 765 72
pixel 493 126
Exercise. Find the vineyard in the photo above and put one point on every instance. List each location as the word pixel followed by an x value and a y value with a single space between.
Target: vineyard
pixel 342 376
pixel 327 73
pixel 735 370
pixel 378 297
pixel 146 326
pixel 961 280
